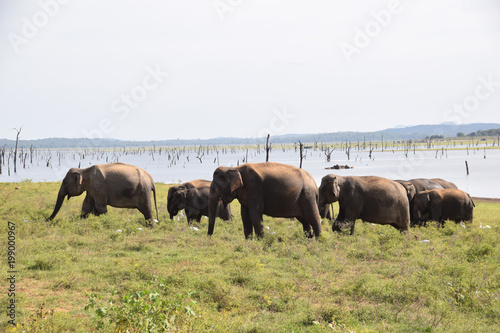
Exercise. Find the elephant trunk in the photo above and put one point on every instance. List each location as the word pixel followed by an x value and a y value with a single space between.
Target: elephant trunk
pixel 212 209
pixel 60 198
pixel 224 211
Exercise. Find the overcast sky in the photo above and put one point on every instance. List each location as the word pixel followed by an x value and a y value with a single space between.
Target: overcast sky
pixel 152 70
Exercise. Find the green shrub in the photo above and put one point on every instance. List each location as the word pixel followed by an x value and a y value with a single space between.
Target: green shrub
pixel 146 310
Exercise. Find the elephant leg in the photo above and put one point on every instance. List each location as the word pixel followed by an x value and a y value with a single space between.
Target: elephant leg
pixel 88 206
pixel 310 215
pixel 340 218
pixel 256 218
pixel 247 222
pixel 101 210
pixel 346 215
pixel 469 215
pixel 352 227
pixel 148 214
pixel 336 226
pixel 146 208
pixel 306 226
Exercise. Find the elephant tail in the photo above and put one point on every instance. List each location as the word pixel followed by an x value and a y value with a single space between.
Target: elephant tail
pixel 154 197
pixel 472 201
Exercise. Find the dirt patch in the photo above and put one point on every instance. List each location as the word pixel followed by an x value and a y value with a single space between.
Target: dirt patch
pixel 39 291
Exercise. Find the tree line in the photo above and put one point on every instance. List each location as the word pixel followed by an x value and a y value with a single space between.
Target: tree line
pixel 490 132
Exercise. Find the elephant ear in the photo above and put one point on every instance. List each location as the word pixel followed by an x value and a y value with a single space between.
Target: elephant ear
pixel 335 187
pixel 410 190
pixel 427 198
pixel 78 178
pixel 179 196
pixel 235 180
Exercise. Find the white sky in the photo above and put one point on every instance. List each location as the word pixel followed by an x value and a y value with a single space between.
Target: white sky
pixel 244 68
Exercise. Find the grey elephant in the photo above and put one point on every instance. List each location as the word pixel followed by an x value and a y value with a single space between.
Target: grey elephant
pixel 369 198
pixel 194 201
pixel 443 183
pixel 443 204
pixel 173 211
pixel 424 184
pixel 115 184
pixel 274 189
pixel 417 185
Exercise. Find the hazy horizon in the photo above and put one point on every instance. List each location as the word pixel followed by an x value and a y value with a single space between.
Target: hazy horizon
pixel 166 70
pixel 495 126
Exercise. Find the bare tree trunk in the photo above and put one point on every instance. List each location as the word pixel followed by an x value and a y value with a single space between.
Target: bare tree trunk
pixel 2 157
pixel 267 148
pixel 301 156
pixel 15 151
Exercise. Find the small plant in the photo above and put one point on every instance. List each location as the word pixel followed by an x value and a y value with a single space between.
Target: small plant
pixel 42 265
pixel 39 321
pixel 147 310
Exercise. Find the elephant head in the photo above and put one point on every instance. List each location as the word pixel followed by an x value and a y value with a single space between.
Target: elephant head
pixel 421 202
pixel 72 186
pixel 409 187
pixel 329 190
pixel 225 183
pixel 177 201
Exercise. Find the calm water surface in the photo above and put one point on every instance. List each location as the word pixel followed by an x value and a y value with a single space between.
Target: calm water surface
pixel 483 180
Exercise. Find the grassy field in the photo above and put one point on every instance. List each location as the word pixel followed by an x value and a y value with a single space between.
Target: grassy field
pixel 111 273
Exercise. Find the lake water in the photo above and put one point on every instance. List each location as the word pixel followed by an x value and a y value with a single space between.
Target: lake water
pixel 184 165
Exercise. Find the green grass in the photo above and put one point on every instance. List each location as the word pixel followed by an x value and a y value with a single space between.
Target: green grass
pixel 78 275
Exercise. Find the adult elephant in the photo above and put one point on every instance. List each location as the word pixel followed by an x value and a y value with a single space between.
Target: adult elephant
pixel 444 183
pixel 369 198
pixel 274 189
pixel 115 184
pixel 187 185
pixel 424 184
pixel 194 201
pixel 443 204
pixel 420 185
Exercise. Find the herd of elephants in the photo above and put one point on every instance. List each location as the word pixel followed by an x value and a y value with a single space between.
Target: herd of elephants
pixel 273 189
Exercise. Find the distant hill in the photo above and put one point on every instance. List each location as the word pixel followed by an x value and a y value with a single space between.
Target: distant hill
pixel 405 133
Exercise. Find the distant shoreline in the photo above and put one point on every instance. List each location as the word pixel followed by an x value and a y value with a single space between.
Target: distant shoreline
pixel 490 200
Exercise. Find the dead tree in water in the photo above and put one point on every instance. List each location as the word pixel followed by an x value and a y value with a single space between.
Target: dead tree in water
pixel 267 148
pixel 15 151
pixel 301 153
pixel 2 158
pixel 328 153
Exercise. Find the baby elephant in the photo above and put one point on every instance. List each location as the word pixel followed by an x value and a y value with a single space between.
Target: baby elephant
pixel 443 204
pixel 194 201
